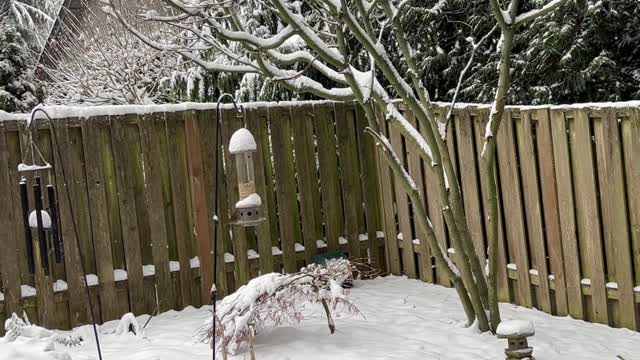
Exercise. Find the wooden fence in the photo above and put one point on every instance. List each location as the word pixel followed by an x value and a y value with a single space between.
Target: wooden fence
pixel 569 201
pixel 142 190
pixel 141 186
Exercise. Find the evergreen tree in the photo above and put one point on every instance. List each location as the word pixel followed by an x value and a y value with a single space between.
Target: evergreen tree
pixel 17 92
pixel 585 51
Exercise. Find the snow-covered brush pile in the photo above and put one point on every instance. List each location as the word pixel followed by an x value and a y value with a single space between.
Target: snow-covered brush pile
pixel 273 300
pixel 17 327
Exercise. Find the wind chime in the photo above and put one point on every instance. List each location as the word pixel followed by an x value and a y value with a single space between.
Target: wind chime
pixel 44 222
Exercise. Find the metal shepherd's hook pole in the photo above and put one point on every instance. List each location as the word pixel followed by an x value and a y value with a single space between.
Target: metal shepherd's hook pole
pixel 73 217
pixel 216 218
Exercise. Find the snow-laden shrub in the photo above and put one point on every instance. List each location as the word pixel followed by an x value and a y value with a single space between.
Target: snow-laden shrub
pixel 273 300
pixel 17 91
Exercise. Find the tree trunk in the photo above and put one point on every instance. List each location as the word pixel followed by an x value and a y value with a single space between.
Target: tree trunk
pixel 489 152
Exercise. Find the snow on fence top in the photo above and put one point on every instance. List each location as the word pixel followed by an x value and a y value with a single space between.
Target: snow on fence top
pixel 62 112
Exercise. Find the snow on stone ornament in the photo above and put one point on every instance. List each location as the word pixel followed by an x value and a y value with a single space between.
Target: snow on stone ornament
pixel 248 209
pixel 516 332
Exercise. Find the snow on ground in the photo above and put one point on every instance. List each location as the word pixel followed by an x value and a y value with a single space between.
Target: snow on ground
pixel 404 319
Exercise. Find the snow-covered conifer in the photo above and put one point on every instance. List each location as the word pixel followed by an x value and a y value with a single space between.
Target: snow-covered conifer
pixel 17 89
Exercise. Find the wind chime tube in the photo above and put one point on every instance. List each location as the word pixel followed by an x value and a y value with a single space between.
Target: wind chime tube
pixel 24 200
pixel 42 239
pixel 53 211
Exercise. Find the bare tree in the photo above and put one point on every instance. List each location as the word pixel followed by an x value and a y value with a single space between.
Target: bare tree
pixel 95 62
pixel 339 34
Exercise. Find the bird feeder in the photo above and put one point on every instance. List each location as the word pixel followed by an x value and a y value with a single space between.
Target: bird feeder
pixel 248 209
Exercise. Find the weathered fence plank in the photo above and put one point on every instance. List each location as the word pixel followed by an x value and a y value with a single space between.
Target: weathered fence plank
pixel 306 175
pixel 479 125
pixel 614 215
pixel 513 211
pixel 589 234
pixel 388 211
pixel 71 249
pixel 414 162
pixel 404 220
pixel 76 178
pixel 155 202
pixel 345 132
pixel 180 197
pixel 9 255
pixel 124 160
pixel 288 214
pixel 254 120
pixel 434 206
pixel 93 141
pixel 630 134
pixel 202 215
pixel 548 189
pixel 370 191
pixel 566 202
pixel 329 177
pixel 470 181
pixel 533 214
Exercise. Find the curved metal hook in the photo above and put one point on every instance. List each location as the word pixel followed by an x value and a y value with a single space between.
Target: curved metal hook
pixel 233 100
pixel 32 122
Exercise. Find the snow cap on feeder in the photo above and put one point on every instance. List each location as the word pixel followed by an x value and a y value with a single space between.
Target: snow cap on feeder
pixel 242 146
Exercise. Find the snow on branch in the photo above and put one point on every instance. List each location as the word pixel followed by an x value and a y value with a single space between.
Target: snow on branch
pixel 301 56
pixel 384 143
pixel 474 48
pixel 533 14
pixel 425 225
pixel 275 299
pixel 308 34
pixel 502 17
pixel 410 130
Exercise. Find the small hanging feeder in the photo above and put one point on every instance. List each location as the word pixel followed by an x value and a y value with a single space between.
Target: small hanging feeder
pixel 248 210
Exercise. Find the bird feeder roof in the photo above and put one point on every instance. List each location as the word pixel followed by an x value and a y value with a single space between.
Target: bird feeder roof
pixel 242 141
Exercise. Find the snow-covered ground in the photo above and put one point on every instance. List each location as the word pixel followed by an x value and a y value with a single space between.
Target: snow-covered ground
pixel 404 319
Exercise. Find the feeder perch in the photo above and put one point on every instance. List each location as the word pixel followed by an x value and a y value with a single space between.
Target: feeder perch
pixel 516 332
pixel 248 210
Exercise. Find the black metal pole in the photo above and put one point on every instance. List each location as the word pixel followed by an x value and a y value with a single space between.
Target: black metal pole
pixel 74 225
pixel 42 237
pixel 216 220
pixel 24 200
pixel 53 212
